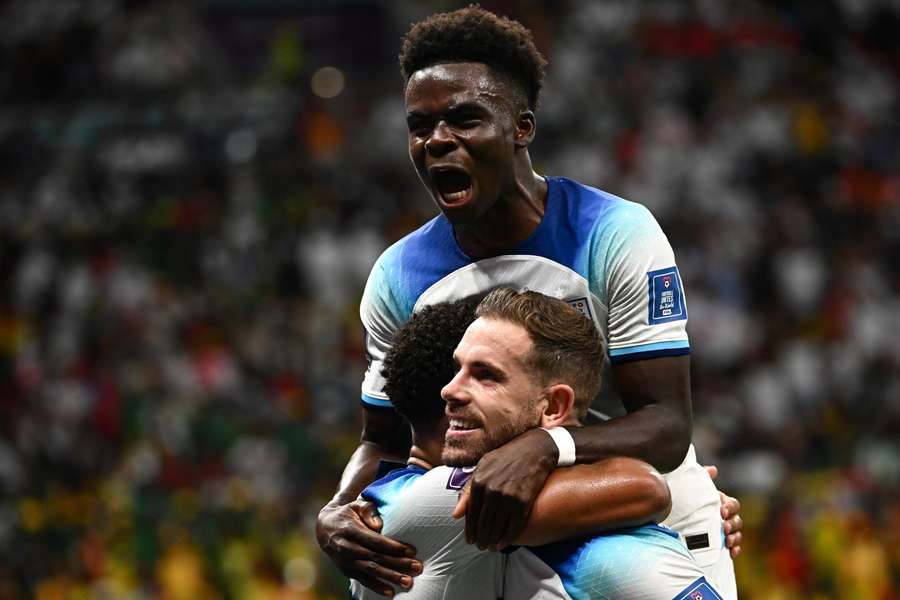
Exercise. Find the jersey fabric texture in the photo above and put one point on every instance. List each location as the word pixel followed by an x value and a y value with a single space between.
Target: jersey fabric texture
pixel 641 563
pixel 602 254
pixel 416 507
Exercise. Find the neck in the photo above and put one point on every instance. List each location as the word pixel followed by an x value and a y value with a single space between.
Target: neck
pixel 426 449
pixel 514 217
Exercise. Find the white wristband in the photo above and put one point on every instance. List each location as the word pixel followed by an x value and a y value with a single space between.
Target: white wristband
pixel 564 443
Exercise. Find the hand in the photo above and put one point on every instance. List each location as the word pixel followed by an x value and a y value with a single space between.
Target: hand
pixel 348 534
pixel 499 496
pixel 733 523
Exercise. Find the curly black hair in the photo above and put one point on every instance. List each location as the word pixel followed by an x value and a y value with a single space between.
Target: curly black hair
pixel 473 34
pixel 420 360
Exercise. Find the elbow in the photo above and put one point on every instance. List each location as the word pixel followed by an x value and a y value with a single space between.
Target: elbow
pixel 659 498
pixel 676 438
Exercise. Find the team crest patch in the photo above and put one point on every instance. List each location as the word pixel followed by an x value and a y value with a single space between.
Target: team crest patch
pixel 581 305
pixel 459 477
pixel 666 301
pixel 699 590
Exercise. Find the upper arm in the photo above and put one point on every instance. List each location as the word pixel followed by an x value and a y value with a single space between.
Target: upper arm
pixel 642 288
pixel 385 428
pixel 592 498
pixel 381 316
pixel 382 313
pixel 664 381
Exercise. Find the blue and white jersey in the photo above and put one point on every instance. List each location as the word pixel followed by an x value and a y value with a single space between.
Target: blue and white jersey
pixel 416 507
pixel 604 255
pixel 641 563
pixel 648 562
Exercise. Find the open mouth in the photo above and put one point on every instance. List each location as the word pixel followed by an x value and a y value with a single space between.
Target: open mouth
pixel 461 426
pixel 453 184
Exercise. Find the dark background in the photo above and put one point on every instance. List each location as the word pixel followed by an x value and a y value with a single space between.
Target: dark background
pixel 189 206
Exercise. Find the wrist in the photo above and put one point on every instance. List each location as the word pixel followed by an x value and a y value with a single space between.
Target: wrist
pixel 564 443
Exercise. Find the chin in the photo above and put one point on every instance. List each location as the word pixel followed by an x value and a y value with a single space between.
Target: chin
pixel 460 457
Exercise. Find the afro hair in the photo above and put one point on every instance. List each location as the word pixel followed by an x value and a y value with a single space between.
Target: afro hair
pixel 473 34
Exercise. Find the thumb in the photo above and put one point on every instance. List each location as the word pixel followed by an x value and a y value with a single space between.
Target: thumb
pixel 368 513
pixel 462 504
pixel 713 471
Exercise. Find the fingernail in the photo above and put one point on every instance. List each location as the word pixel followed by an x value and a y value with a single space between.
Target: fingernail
pixel 416 566
pixel 727 527
pixel 406 581
pixel 409 552
pixel 388 592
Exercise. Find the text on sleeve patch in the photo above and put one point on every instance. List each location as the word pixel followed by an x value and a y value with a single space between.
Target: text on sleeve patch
pixel 666 301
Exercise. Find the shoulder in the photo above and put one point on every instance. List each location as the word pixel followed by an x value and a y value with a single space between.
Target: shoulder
pixel 384 489
pixel 600 210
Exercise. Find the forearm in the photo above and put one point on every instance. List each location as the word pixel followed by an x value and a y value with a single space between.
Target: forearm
pixel 654 433
pixel 590 499
pixel 360 471
pixel 385 436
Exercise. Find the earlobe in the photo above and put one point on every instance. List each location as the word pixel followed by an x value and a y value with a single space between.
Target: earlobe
pixel 560 400
pixel 525 129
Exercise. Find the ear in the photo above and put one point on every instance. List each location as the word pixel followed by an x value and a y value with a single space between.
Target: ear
pixel 560 400
pixel 525 129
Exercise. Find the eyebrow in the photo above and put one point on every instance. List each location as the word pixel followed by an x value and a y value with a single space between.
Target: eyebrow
pixel 454 110
pixel 481 364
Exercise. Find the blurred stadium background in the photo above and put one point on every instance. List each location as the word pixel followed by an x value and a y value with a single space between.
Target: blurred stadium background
pixel 191 195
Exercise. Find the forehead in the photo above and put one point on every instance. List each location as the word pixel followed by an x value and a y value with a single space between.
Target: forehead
pixel 453 83
pixel 501 342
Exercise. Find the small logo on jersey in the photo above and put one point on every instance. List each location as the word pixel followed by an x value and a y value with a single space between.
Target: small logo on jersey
pixel 699 590
pixel 459 477
pixel 581 305
pixel 666 300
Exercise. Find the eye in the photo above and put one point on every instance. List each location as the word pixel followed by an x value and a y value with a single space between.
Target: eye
pixel 419 128
pixel 485 375
pixel 467 121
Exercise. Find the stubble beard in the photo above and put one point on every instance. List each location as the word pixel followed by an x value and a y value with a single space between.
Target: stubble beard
pixel 458 453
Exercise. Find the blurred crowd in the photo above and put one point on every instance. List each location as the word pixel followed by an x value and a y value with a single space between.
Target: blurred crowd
pixel 191 195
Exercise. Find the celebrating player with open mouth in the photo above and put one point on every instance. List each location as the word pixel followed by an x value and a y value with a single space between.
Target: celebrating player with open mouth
pixel 472 87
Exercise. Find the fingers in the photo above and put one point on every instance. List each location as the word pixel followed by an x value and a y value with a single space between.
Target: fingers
pixel 713 471
pixel 368 512
pixel 492 524
pixel 733 525
pixel 462 504
pixel 377 572
pixel 733 543
pixel 730 506
pixel 473 511
pixel 379 544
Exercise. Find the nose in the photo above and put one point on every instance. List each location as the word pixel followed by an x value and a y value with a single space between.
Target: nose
pixel 441 139
pixel 454 393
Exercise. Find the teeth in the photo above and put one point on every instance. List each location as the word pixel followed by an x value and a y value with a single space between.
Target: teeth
pixel 454 424
pixel 456 195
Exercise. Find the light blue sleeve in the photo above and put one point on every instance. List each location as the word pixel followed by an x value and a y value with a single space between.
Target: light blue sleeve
pixel 382 312
pixel 634 274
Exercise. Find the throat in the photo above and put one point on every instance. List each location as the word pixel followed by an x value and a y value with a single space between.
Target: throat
pixel 511 221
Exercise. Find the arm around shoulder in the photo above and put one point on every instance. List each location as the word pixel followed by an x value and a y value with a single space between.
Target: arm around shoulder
pixel 589 499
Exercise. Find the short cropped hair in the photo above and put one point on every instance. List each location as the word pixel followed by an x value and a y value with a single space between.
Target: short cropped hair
pixel 566 347
pixel 473 34
pixel 420 361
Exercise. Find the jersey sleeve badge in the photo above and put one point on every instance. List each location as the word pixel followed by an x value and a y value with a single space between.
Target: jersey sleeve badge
pixel 666 298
